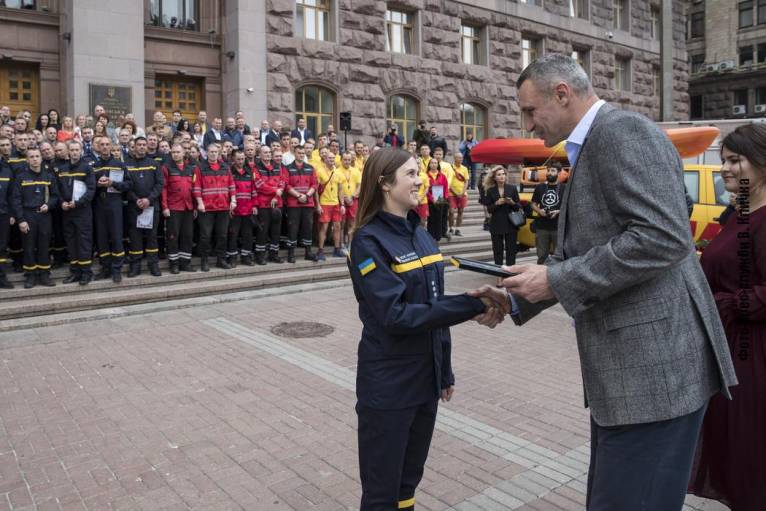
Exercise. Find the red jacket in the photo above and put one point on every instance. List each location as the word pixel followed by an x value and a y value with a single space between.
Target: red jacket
pixel 214 185
pixel 244 187
pixel 301 179
pixel 267 181
pixel 439 180
pixel 179 181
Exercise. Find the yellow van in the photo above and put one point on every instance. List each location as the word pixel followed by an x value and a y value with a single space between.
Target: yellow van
pixel 704 184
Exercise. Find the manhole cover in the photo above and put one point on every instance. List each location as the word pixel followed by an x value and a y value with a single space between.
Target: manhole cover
pixel 300 329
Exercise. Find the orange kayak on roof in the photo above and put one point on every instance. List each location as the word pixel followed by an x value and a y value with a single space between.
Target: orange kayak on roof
pixel 689 142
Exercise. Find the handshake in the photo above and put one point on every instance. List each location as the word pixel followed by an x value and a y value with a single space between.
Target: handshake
pixel 529 283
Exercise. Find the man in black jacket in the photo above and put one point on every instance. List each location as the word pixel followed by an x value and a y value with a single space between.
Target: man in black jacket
pixel 436 141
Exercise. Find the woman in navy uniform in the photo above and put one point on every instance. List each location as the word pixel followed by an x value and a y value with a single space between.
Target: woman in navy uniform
pixel 404 364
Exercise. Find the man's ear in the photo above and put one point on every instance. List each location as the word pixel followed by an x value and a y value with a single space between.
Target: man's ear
pixel 562 93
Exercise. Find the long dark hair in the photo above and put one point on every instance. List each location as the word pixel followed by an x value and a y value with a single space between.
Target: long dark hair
pixel 379 169
pixel 748 140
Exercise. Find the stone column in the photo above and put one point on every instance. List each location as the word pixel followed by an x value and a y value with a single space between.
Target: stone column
pixel 666 61
pixel 106 48
pixel 244 60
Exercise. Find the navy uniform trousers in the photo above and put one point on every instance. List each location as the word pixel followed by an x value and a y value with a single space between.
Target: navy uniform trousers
pixel 642 467
pixel 107 212
pixel 393 442
pixel 78 232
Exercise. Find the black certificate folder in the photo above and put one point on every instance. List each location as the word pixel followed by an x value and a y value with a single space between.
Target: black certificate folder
pixel 480 267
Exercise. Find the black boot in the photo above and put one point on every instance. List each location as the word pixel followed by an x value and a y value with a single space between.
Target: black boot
pixel 117 276
pixel 154 270
pixel 232 261
pixel 186 265
pixel 73 277
pixel 85 278
pixel 291 255
pixel 204 266
pixel 309 256
pixel 248 260
pixel 220 262
pixel 104 274
pixel 4 283
pixel 135 270
pixel 44 279
pixel 260 258
pixel 274 257
pixel 173 267
pixel 29 280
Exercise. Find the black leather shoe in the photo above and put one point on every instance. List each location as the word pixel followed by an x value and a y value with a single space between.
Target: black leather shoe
pixel 204 266
pixel 29 281
pixel 44 279
pixel 117 277
pixel 85 279
pixel 154 270
pixel 221 263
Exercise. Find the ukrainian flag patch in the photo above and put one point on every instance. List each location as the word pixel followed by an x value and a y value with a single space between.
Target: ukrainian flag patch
pixel 366 266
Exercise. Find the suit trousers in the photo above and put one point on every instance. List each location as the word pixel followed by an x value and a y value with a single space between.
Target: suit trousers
pixel 179 232
pixel 505 244
pixel 269 228
pixel 37 242
pixel 78 232
pixel 209 222
pixel 642 467
pixel 393 447
pixel 300 222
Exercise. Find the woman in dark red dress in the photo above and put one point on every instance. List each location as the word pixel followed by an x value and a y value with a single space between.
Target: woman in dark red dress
pixel 730 463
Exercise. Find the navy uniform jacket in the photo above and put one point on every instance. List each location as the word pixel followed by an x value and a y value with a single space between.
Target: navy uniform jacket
pixel 405 350
pixel 146 180
pixel 33 189
pixel 6 183
pixel 102 167
pixel 80 171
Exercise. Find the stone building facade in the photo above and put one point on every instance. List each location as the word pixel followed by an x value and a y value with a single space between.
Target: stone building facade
pixel 249 55
pixel 727 58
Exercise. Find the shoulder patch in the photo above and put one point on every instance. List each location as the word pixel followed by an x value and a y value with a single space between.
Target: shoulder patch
pixel 366 266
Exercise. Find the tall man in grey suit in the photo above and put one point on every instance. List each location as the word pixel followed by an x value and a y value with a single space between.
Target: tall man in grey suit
pixel 651 345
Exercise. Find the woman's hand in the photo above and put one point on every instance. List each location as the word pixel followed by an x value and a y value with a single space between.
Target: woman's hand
pixel 500 201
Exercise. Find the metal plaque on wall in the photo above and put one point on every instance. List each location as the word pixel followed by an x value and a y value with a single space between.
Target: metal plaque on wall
pixel 115 100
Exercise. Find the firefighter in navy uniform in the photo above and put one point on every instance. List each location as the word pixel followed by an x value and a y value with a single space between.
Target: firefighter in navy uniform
pixel 18 162
pixel 6 214
pixel 77 213
pixel 404 359
pixel 35 194
pixel 146 182
pixel 107 209
pixel 161 159
pixel 59 163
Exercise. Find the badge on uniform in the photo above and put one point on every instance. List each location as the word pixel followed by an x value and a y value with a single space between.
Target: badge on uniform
pixel 366 266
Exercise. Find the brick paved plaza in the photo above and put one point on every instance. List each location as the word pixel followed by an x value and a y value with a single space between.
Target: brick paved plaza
pixel 200 406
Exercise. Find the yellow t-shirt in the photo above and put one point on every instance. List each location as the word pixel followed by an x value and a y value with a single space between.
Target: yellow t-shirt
pixel 352 179
pixel 359 162
pixel 314 160
pixel 331 180
pixel 448 171
pixel 457 186
pixel 338 159
pixel 423 164
pixel 423 175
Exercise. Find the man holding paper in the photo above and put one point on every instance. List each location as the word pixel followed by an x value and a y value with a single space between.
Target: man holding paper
pixel 111 183
pixel 652 348
pixel 146 182
pixel 77 186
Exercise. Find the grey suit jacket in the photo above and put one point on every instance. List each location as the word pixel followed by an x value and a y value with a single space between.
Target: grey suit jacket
pixel 651 343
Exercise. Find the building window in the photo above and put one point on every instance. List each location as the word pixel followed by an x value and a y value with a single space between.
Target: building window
pixel 697 61
pixel 622 74
pixel 697 24
pixel 582 56
pixel 171 93
pixel 761 53
pixel 317 106
pixel 621 14
pixel 312 19
pixel 761 12
pixel 760 96
pixel 746 14
pixel 530 51
pixel 472 45
pixel 473 119
pixel 180 14
pixel 19 4
pixel 656 81
pixel 746 56
pixel 578 9
pixel 400 32
pixel 538 3
pixel 696 107
pixel 740 99
pixel 20 87
pixel 655 26
pixel 402 111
